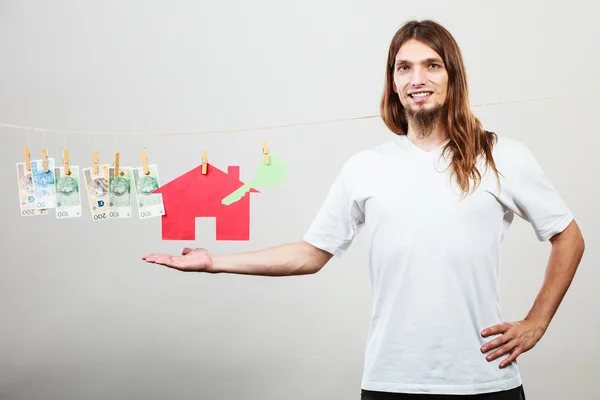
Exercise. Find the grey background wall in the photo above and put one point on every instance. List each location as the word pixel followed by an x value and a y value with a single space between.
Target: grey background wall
pixel 82 317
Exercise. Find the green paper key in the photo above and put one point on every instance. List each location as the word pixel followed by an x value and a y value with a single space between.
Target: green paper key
pixel 271 174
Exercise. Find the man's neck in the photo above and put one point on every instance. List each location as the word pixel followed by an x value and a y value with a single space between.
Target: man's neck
pixel 427 141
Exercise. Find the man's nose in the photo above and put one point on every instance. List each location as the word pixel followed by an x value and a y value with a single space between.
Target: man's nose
pixel 418 78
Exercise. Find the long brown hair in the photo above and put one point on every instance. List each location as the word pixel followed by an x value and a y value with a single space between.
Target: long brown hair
pixel 468 139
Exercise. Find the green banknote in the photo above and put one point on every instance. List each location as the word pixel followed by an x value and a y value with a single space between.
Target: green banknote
pixel 149 205
pixel 97 189
pixel 43 184
pixel 27 198
pixel 68 195
pixel 119 189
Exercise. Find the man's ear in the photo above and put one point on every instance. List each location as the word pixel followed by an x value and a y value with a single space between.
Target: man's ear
pixel 395 88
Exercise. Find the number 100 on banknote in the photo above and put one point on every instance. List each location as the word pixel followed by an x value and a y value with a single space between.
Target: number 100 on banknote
pixel 149 205
pixel 68 195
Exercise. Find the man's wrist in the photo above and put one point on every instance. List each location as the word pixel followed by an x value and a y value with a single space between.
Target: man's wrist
pixel 213 264
pixel 540 322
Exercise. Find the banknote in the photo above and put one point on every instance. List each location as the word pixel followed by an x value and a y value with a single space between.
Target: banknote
pixel 68 195
pixel 149 205
pixel 43 184
pixel 119 189
pixel 26 193
pixel 97 189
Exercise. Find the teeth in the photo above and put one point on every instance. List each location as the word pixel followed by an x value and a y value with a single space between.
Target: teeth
pixel 420 95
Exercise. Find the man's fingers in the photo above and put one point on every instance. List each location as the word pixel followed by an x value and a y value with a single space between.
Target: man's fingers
pixel 514 337
pixel 163 259
pixel 513 356
pixel 154 256
pixel 159 258
pixel 502 350
pixel 150 256
pixel 499 341
pixel 177 262
pixel 495 329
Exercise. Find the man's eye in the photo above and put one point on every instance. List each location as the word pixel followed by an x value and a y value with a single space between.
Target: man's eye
pixel 436 65
pixel 400 67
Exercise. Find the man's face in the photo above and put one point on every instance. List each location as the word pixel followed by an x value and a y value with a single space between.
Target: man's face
pixel 420 78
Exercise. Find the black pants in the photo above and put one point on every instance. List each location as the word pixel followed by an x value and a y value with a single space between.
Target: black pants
pixel 511 394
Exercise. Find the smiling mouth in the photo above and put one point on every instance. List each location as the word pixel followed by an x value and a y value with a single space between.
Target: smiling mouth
pixel 420 95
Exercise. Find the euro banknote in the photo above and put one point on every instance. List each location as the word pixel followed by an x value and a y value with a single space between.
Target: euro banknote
pixel 97 190
pixel 68 193
pixel 27 200
pixel 119 189
pixel 43 184
pixel 149 205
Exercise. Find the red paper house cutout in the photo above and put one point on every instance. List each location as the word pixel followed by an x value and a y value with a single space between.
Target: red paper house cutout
pixel 195 195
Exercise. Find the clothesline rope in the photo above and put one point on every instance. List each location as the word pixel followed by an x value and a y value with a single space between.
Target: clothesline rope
pixel 28 129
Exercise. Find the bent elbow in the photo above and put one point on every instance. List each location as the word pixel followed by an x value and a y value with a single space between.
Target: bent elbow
pixel 581 244
pixel 580 241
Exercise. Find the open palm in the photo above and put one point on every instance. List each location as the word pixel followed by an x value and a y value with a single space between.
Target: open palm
pixel 197 260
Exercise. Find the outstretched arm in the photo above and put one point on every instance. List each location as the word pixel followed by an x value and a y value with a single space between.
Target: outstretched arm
pixel 297 258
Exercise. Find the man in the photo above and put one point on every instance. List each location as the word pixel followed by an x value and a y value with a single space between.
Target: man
pixel 437 200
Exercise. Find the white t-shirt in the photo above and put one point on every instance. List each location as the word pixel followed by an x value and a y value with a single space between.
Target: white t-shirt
pixel 434 259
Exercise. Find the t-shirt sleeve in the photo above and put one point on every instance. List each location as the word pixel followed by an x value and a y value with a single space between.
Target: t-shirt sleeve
pixel 532 197
pixel 340 217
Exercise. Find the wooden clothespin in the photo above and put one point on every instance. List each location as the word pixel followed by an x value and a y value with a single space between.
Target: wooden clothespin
pixel 105 170
pixel 27 158
pixel 95 163
pixel 45 159
pixel 266 152
pixel 145 162
pixel 116 164
pixel 204 162
pixel 66 162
